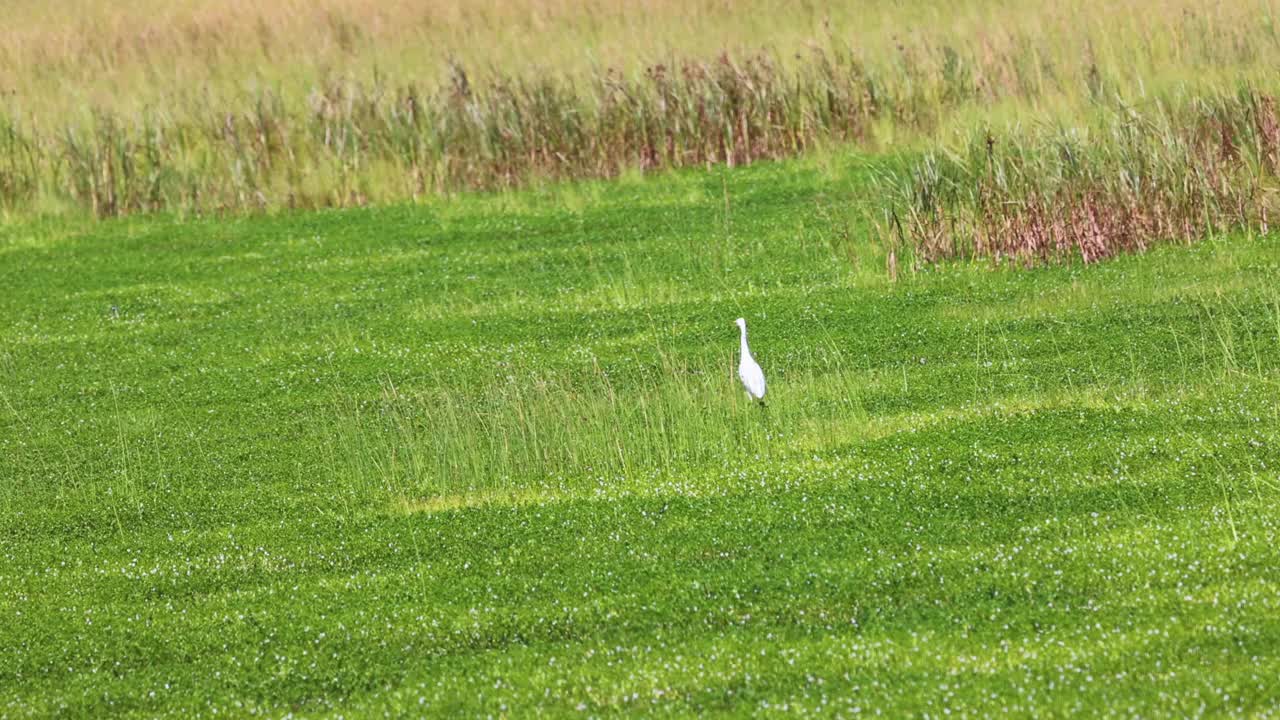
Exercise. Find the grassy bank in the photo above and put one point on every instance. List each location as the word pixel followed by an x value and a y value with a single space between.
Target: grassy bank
pixel 489 457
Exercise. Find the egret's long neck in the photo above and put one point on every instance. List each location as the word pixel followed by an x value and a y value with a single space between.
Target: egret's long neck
pixel 746 352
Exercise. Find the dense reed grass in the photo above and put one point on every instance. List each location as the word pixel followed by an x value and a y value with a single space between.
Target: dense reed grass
pixel 353 137
pixel 578 430
pixel 1171 170
pixel 544 432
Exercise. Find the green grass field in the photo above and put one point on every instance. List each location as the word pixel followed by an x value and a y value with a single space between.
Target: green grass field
pixel 489 457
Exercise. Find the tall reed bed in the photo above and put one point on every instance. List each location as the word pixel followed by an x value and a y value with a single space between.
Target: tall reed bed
pixel 355 142
pixel 353 139
pixel 1170 170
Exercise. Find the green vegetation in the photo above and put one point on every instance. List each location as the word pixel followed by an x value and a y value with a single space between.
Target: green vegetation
pixel 489 457
pixel 486 454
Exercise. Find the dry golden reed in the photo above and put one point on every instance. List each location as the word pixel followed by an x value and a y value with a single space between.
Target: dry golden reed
pixel 196 106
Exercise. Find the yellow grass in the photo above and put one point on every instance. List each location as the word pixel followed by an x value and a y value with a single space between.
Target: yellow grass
pixel 67 56
pixel 467 501
pixel 192 105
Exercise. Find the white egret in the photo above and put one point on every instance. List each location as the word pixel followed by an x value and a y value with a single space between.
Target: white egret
pixel 748 369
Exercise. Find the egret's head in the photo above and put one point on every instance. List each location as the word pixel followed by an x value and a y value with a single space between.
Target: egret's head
pixel 741 323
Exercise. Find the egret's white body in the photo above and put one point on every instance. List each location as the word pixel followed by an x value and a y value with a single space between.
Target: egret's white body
pixel 748 369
